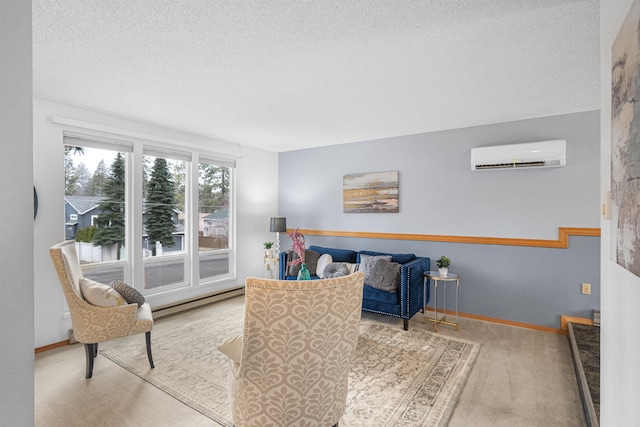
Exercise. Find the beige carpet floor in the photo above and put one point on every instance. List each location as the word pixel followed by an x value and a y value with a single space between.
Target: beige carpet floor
pixel 408 378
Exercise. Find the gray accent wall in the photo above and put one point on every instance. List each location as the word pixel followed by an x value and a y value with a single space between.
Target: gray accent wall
pixel 439 194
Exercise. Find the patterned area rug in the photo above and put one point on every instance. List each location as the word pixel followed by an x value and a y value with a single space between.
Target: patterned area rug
pixel 407 378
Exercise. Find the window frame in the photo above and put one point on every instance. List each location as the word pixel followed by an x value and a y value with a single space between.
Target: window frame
pixel 133 263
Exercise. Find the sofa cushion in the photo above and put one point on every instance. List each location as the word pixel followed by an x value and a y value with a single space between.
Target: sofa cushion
pixel 366 264
pixel 385 275
pixel 353 267
pixel 399 258
pixel 336 269
pixel 99 294
pixel 338 255
pixel 375 296
pixel 310 258
pixel 323 262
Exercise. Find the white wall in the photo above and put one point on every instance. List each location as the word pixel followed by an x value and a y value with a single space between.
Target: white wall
pixel 620 292
pixel 256 200
pixel 16 193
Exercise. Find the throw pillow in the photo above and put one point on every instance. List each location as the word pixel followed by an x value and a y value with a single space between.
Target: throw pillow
pixel 366 264
pixel 310 258
pixel 100 294
pixel 130 294
pixel 232 348
pixel 385 275
pixel 336 269
pixel 323 261
pixel 352 266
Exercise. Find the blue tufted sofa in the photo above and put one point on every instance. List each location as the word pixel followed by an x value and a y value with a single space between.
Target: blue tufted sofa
pixel 404 303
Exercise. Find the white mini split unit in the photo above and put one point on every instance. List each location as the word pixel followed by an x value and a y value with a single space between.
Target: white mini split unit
pixel 542 154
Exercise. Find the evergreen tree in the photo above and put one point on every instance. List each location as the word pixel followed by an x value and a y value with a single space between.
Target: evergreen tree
pixel 110 221
pixel 160 204
pixel 214 188
pixel 83 180
pixel 70 177
pixel 179 183
pixel 99 179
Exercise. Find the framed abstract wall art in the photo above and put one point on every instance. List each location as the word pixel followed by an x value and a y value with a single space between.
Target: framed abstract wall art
pixel 370 192
pixel 625 143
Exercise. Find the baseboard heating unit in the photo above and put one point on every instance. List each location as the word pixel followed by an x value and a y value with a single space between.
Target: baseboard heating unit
pixel 190 304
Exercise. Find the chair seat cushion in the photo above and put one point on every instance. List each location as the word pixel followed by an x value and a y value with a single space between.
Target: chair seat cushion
pixel 99 294
pixel 232 348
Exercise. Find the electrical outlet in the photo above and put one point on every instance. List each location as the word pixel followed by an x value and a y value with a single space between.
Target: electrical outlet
pixel 586 289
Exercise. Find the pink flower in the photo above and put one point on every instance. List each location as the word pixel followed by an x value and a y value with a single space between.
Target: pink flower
pixel 297 246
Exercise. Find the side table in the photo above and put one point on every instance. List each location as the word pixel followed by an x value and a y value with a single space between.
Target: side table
pixel 271 267
pixel 436 277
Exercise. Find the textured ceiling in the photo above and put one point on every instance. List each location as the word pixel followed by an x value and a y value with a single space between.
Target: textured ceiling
pixel 285 75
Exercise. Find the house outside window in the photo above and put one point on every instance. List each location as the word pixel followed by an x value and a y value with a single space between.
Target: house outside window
pixel 178 251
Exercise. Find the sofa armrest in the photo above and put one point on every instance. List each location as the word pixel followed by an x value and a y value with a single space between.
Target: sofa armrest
pixel 412 286
pixel 283 265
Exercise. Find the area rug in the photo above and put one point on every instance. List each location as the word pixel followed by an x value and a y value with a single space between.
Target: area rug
pixel 407 378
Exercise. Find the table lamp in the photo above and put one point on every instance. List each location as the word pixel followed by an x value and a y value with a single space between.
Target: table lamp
pixel 278 225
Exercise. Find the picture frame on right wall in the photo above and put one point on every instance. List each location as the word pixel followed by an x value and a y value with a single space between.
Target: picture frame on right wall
pixel 625 143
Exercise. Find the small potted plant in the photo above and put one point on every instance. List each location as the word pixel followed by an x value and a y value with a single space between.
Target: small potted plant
pixel 443 265
pixel 267 249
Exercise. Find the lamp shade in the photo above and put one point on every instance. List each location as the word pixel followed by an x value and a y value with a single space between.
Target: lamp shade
pixel 278 224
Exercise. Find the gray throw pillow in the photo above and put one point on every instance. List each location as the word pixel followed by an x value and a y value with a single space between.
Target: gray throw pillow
pixel 130 294
pixel 336 269
pixel 310 258
pixel 385 275
pixel 366 264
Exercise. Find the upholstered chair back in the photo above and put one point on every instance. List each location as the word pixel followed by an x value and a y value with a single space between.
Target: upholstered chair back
pixel 298 342
pixel 69 271
pixel 91 323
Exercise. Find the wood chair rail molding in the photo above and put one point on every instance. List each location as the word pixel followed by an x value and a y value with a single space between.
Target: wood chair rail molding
pixel 561 243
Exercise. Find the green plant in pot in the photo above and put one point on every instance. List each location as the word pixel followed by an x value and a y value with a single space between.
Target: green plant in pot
pixel 443 265
pixel 267 249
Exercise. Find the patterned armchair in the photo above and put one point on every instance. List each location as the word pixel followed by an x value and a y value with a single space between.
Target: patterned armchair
pixel 94 324
pixel 290 367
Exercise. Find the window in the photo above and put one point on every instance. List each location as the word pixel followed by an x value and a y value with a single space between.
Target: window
pixel 170 208
pixel 214 219
pixel 164 212
pixel 95 176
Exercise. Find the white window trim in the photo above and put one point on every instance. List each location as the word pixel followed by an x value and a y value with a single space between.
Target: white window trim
pixel 134 144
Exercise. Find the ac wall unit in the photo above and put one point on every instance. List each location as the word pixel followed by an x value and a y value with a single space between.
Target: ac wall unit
pixel 542 154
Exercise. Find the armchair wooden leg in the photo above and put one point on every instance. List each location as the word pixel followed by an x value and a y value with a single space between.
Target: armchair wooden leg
pixel 148 337
pixel 90 350
pixel 95 350
pixel 406 324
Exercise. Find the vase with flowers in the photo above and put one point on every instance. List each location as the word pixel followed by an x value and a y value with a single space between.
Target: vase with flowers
pixel 297 246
